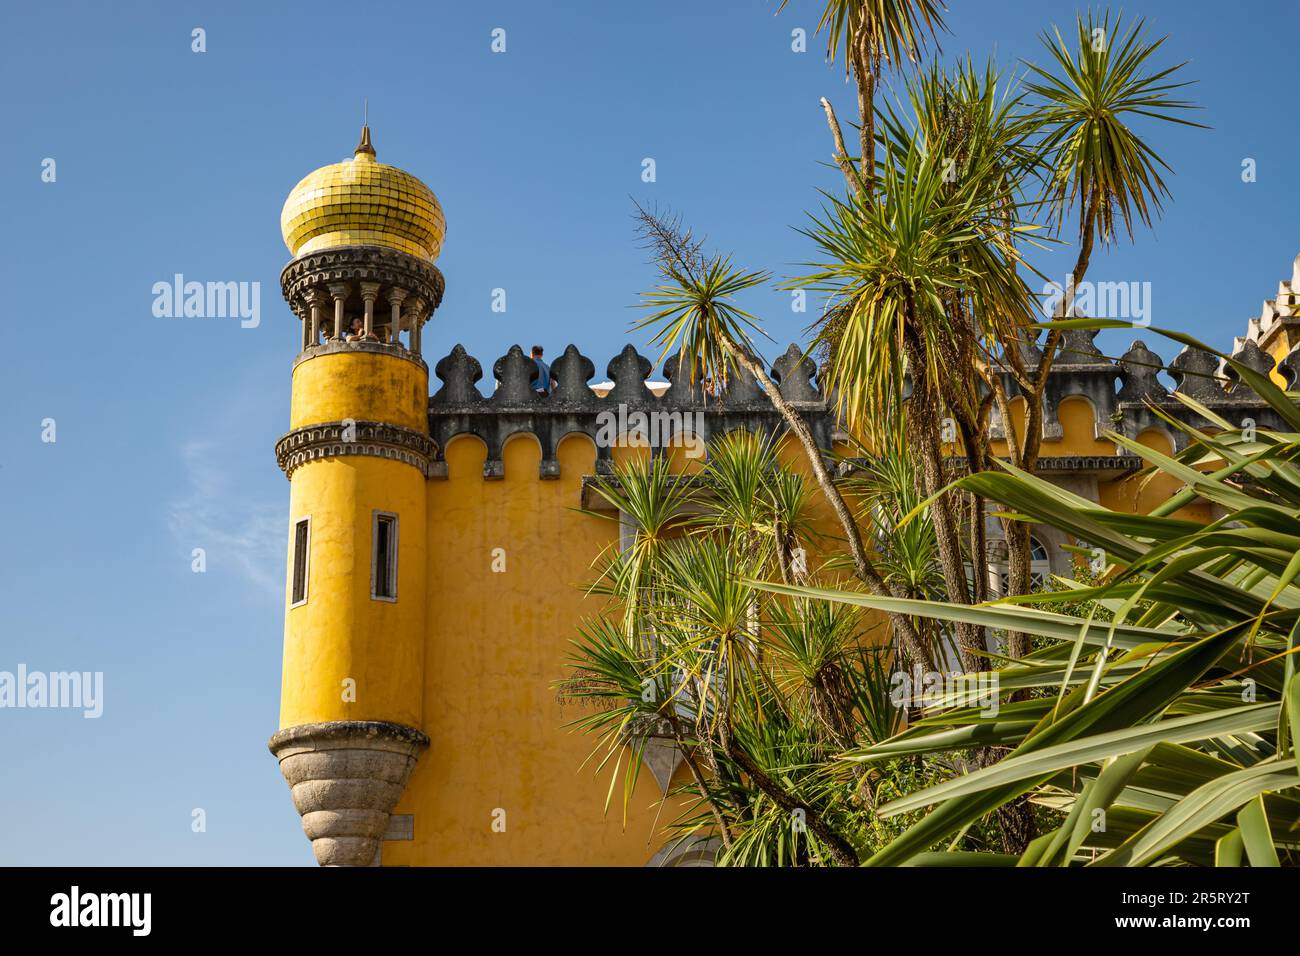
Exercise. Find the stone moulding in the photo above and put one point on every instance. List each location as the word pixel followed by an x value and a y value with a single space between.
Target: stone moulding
pixel 346 777
pixel 337 439
pixel 1066 464
pixel 316 270
pixel 335 346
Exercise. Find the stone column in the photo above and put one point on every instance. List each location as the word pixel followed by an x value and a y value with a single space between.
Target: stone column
pixel 316 299
pixel 395 298
pixel 339 290
pixel 413 314
pixel 370 292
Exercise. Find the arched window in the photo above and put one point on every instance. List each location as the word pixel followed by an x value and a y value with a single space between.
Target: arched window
pixel 1039 567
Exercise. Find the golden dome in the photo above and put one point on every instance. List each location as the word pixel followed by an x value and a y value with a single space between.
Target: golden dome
pixel 360 202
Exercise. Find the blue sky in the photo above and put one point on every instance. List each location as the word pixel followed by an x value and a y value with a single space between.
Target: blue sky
pixel 171 161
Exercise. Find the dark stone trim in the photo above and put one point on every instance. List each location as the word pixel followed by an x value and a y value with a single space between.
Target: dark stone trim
pixel 1049 464
pixel 458 408
pixel 376 439
pixel 337 346
pixel 389 267
pixel 350 730
pixel 1062 464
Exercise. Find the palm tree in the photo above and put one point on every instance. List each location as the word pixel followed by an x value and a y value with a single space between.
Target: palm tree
pixel 1165 716
pixel 694 314
pixel 755 696
pixel 1100 169
pixel 864 33
pixel 923 283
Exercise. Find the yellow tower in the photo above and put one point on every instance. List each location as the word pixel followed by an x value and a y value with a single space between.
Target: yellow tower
pixel 364 236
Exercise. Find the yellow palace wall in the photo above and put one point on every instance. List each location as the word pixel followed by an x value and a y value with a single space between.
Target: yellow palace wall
pixel 496 643
pixel 471 655
pixel 1136 494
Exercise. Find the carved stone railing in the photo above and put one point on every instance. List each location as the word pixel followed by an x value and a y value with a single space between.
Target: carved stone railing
pixel 683 411
pixel 386 290
pixel 1081 370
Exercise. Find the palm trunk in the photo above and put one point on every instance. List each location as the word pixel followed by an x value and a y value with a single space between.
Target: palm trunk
pixel 1019 539
pixel 866 76
pixel 698 777
pixel 922 419
pixel 840 849
pixel 865 570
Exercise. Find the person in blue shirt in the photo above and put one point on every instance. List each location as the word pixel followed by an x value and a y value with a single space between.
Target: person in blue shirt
pixel 543 383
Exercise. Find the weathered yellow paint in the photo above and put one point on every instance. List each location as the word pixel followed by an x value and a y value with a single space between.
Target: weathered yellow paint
pixel 1138 494
pixel 1079 427
pixel 341 632
pixel 363 386
pixel 1279 346
pixel 497 642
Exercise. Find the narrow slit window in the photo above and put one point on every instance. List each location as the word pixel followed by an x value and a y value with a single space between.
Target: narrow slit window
pixel 383 579
pixel 301 549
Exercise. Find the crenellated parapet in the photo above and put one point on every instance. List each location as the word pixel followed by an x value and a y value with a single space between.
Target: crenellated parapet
pixel 1127 395
pixel 628 404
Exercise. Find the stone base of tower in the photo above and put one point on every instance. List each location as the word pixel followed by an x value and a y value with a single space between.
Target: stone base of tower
pixel 346 777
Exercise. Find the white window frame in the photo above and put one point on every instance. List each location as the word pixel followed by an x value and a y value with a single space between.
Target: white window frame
pixel 376 515
pixel 306 563
pixel 1040 569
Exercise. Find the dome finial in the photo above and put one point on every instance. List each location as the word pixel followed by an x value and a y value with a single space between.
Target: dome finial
pixel 364 146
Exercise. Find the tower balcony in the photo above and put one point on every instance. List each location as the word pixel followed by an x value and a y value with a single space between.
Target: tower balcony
pixel 362 298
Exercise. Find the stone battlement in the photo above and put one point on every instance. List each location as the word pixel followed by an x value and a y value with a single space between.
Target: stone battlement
pixel 458 408
pixel 1125 395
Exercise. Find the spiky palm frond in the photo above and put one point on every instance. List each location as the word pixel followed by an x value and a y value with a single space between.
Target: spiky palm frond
pixel 1084 111
pixel 694 313
pixel 894 29
pixel 889 266
pixel 1177 719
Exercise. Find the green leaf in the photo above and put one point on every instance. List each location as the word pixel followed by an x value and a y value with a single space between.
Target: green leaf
pixel 1198 810
pixel 1252 824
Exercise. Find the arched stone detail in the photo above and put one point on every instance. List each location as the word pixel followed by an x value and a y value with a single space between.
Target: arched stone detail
pixel 458 407
pixel 693 850
pixel 340 439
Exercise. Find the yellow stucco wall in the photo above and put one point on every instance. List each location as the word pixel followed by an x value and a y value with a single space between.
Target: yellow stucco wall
pixel 363 386
pixel 1138 494
pixel 471 655
pixel 341 633
pixel 1079 429
pixel 497 642
pixel 1279 346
